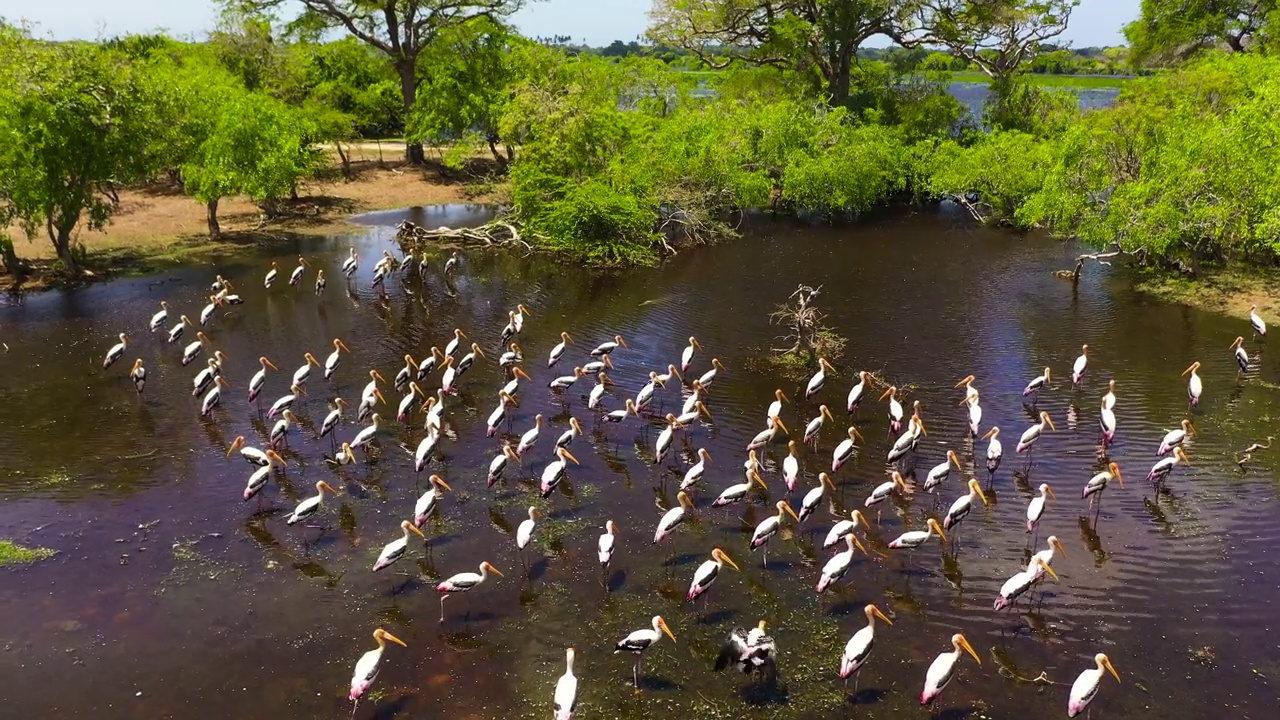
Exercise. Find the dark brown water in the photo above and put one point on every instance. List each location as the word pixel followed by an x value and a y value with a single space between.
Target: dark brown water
pixel 172 598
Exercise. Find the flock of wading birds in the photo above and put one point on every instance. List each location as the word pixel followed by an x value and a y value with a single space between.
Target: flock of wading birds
pixel 746 650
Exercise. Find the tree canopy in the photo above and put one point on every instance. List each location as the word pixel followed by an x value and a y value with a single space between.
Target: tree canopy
pixel 400 29
pixel 1169 31
pixel 77 124
pixel 816 39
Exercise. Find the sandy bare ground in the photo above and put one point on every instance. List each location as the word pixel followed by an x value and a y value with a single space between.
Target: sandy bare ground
pixel 158 221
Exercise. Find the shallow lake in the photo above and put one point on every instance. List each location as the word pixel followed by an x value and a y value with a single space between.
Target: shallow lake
pixel 172 598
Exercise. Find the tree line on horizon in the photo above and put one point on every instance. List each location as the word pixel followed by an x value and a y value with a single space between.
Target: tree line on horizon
pixel 612 154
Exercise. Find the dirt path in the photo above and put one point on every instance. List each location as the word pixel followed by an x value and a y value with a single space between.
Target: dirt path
pixel 160 225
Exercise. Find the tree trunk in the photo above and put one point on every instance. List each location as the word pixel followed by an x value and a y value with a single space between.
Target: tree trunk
pixel 413 152
pixel 493 148
pixel 7 255
pixel 211 213
pixel 838 83
pixel 346 161
pixel 60 235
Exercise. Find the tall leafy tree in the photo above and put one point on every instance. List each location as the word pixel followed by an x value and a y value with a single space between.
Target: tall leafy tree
pixel 252 145
pixel 1169 31
pixel 77 122
pixel 467 78
pixel 999 37
pixel 819 39
pixel 400 29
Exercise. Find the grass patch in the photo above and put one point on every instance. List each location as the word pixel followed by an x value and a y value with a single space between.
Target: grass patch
pixel 11 554
pixel 1230 291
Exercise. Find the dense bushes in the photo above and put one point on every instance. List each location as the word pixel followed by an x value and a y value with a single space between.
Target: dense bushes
pixel 1181 170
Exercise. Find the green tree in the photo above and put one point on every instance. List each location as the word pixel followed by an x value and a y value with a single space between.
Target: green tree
pixel 348 77
pixel 817 39
pixel 466 83
pixel 1179 172
pixel 993 177
pixel 78 122
pixel 999 37
pixel 229 141
pixel 400 29
pixel 1167 32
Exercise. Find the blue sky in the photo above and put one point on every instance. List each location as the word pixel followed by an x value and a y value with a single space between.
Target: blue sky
pixel 1095 22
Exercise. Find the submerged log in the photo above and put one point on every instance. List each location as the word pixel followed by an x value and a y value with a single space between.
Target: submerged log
pixel 498 232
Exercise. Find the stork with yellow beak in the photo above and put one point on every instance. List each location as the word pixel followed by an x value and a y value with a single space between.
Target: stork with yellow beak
pixel 259 379
pixel 213 398
pixel 1035 510
pixel 709 376
pixel 1085 688
pixel 813 499
pixel 858 391
pixel 640 641
pixel 770 527
pixel 735 493
pixel 697 470
pixel 1036 385
pixel 430 500
pixel 961 508
pixel 464 582
pixel 666 438
pixel 859 646
pixel 284 403
pixel 819 378
pixel 367 666
pixel 1195 386
pixel 302 374
pixel 605 348
pixel 557 352
pixel 555 471
pixel 331 363
pixel 296 276
pixel 766 436
pixel 775 407
pixel 686 357
pixel 1078 368
pixel 116 352
pixel 194 349
pixel 941 472
pixel 844 451
pixel 1242 357
pixel 707 573
pixel 138 375
pixel 970 392
pixel 1099 482
pixel 943 669
pixel 896 413
pixel 674 517
pixel 815 425
pixel 839 564
pixel 1033 433
pixel 844 527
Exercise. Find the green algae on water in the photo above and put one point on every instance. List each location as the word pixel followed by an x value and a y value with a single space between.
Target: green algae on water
pixel 12 553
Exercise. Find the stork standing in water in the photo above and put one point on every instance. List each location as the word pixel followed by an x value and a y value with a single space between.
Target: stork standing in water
pixel 1195 386
pixel 464 582
pixel 1256 322
pixel 943 669
pixel 566 697
pixel 640 641
pixel 1085 688
pixel 1081 363
pixel 859 647
pixel 367 666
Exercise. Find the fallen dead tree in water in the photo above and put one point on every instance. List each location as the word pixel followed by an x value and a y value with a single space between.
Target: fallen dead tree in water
pixel 498 232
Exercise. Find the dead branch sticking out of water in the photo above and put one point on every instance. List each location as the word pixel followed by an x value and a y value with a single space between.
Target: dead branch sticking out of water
pixel 803 318
pixel 497 232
